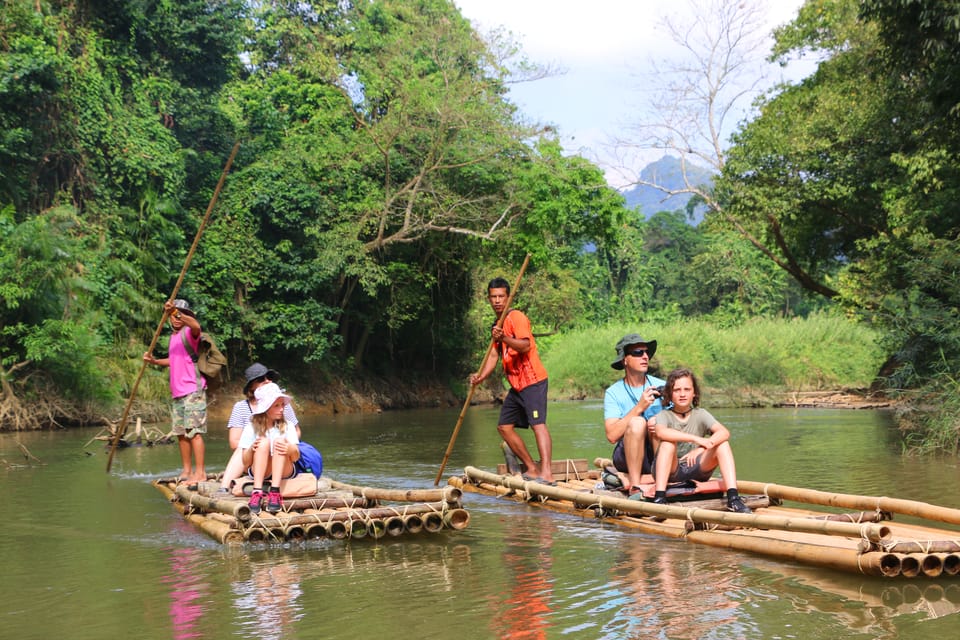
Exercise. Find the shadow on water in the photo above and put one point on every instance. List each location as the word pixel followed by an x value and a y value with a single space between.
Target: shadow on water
pixel 108 554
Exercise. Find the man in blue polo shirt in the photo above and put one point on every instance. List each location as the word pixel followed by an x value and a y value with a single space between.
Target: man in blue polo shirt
pixel 627 405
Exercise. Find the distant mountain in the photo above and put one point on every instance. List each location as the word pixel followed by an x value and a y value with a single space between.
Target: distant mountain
pixel 666 172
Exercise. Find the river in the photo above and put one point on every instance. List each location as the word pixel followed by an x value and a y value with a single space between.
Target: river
pixel 91 555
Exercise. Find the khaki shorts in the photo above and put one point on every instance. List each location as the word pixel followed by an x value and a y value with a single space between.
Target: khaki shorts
pixel 189 414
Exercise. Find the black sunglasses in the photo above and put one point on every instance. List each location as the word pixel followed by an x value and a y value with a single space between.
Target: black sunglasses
pixel 638 352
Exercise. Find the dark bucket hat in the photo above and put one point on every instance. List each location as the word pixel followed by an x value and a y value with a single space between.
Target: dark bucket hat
pixel 257 370
pixel 626 341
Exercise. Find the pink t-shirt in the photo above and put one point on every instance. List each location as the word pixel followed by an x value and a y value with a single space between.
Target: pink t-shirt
pixel 183 374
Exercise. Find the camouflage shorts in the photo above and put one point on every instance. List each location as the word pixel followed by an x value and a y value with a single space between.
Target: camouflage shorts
pixel 190 414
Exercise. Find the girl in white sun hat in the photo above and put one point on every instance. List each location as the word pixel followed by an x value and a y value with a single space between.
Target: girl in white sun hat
pixel 270 444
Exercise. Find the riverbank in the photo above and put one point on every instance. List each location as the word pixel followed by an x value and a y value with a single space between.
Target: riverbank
pixel 382 396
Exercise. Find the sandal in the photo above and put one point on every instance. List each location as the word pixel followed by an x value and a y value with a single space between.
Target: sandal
pixel 611 480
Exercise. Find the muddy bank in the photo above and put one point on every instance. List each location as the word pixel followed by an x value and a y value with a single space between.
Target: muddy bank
pixel 371 396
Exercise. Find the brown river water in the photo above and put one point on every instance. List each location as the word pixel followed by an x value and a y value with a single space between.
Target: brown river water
pixel 91 555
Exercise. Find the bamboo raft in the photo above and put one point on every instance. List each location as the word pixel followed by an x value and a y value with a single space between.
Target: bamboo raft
pixel 337 511
pixel 861 539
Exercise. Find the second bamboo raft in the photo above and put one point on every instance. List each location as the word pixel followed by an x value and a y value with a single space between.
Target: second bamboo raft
pixel 865 541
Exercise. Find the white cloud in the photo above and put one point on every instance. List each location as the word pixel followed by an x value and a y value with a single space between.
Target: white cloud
pixel 601 44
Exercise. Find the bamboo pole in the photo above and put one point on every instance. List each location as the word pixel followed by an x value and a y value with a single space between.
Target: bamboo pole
pixel 850 501
pixel 493 345
pixel 875 563
pixel 868 531
pixel 450 495
pixel 456 519
pixel 394 525
pixel 229 506
pixel 285 519
pixel 413 523
pixel 156 334
pixel 432 521
pixel 325 504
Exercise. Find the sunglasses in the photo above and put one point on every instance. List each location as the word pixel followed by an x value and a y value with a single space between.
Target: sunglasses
pixel 638 352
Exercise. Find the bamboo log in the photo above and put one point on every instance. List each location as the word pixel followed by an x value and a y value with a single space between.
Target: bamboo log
pixel 951 564
pixel 448 494
pixel 856 517
pixel 909 565
pixel 239 510
pixel 358 528
pixel 922 546
pixel 219 531
pixel 321 503
pixel 456 519
pixel 432 521
pixel 851 501
pixel 394 525
pixel 296 533
pixel 376 529
pixel 338 530
pixel 287 519
pixel 413 523
pixel 931 565
pixel 872 564
pixel 255 534
pixel 872 532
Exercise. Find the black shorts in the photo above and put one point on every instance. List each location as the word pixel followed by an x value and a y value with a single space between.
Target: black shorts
pixel 620 457
pixel 684 473
pixel 525 408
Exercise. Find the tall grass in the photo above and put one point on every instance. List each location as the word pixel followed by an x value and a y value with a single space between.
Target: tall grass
pixel 747 363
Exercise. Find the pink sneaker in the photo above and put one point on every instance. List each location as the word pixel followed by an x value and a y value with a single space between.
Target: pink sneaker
pixel 274 501
pixel 255 498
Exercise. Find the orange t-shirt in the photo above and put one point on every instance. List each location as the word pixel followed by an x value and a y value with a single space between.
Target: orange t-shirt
pixel 521 369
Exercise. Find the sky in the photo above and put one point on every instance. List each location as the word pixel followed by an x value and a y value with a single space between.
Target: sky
pixel 603 45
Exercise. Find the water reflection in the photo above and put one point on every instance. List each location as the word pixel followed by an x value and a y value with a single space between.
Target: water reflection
pixel 188 589
pixel 527 555
pixel 664 590
pixel 267 597
pixel 866 605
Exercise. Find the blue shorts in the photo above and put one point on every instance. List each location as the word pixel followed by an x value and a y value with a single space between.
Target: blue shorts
pixel 527 407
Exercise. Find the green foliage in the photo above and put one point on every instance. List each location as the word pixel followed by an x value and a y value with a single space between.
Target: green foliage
pixel 741 364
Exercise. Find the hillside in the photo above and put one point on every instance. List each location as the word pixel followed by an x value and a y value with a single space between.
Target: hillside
pixel 665 172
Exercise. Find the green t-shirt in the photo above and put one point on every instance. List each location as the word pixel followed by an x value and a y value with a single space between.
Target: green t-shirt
pixel 698 424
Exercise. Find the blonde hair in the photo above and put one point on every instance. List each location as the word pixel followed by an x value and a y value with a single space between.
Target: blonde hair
pixel 261 423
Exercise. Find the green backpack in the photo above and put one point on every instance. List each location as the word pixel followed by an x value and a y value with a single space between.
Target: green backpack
pixel 209 362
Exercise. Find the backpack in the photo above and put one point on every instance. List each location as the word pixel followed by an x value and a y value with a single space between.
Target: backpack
pixel 310 460
pixel 208 360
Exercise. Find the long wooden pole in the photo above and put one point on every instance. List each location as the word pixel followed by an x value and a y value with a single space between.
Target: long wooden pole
pixel 493 345
pixel 163 320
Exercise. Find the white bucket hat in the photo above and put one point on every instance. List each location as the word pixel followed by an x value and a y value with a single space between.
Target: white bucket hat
pixel 266 395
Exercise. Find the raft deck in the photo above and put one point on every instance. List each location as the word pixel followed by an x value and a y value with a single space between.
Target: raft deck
pixel 865 541
pixel 338 511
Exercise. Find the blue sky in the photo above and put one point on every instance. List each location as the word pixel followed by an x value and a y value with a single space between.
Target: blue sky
pixel 603 45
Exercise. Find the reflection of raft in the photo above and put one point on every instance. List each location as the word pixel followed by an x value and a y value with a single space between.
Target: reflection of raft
pixel 338 510
pixel 859 541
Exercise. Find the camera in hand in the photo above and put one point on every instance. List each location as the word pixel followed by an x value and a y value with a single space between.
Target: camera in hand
pixel 658 392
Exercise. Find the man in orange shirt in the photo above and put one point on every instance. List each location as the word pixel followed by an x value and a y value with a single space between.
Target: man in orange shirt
pixel 526 402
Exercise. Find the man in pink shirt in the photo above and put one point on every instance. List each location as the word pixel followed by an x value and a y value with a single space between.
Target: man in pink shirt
pixel 188 388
